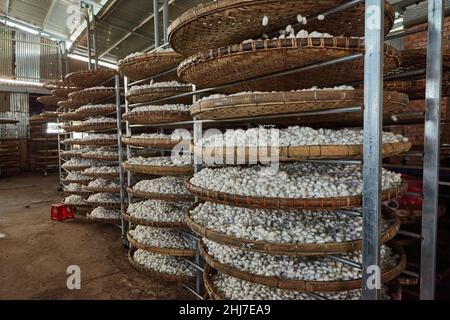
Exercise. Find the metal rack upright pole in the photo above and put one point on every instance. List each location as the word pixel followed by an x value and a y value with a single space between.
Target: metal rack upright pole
pixel 166 20
pixel 156 22
pixel 120 151
pixel 431 160
pixel 372 170
pixel 198 131
pixel 94 37
pixel 88 36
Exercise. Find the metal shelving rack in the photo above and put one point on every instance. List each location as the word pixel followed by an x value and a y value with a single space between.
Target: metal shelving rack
pixel 373 124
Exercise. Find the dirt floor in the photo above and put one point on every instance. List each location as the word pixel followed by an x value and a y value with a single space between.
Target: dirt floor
pixel 35 252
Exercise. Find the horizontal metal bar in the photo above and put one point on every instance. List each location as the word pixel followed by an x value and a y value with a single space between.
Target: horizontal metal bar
pixel 402 34
pixel 277 116
pixel 443 183
pixel 337 161
pixel 350 213
pixel 346 261
pixel 189 234
pixel 317 296
pixel 405 74
pixel 193 264
pixel 413 194
pixel 270 76
pixel 410 234
pixel 412 274
pixel 195 293
pixel 153 77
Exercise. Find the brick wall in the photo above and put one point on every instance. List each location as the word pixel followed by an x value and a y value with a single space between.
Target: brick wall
pixel 415 132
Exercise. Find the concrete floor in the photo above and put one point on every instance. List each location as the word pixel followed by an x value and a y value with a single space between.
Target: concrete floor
pixel 35 252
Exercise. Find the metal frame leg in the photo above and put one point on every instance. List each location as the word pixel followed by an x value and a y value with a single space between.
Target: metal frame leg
pixel 432 150
pixel 373 120
pixel 120 151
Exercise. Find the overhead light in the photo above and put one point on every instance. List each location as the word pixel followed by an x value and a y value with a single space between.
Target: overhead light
pixel 20 82
pixel 85 59
pixel 21 27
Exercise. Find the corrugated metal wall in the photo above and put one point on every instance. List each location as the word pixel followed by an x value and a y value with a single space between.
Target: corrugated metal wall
pixel 25 57
pixel 18 109
pixel 7 53
pixel 28 57
pixel 50 60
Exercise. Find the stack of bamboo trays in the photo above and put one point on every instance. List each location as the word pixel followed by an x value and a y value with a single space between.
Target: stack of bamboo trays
pixel 90 161
pixel 218 51
pixel 158 236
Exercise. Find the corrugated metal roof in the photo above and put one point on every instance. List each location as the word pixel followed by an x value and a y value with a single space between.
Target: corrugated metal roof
pixel 47 15
pixel 117 32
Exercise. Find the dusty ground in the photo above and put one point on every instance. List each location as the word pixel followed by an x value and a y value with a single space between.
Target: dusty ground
pixel 35 252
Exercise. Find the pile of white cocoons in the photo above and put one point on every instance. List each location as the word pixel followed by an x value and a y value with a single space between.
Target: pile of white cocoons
pixel 156 211
pixel 164 185
pixel 236 289
pixel 292 180
pixel 174 266
pixel 104 213
pixel 301 226
pixel 305 268
pixel 162 238
pixel 177 161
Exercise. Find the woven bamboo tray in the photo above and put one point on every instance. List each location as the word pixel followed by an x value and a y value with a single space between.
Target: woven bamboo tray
pixel 102 142
pixel 70 116
pixel 63 93
pixel 97 111
pixel 75 168
pixel 111 175
pixel 102 158
pixel 274 103
pixel 394 286
pixel 150 64
pixel 69 104
pixel 56 84
pixel 152 117
pixel 103 190
pixel 103 220
pixel 153 143
pixel 417 58
pixel 49 100
pixel 78 193
pixel 300 285
pixel 412 216
pixel 95 127
pixel 161 196
pixel 291 249
pixel 107 205
pixel 155 224
pixel 297 153
pixel 70 154
pixel 158 170
pixel 89 78
pixel 156 93
pixel 155 275
pixel 414 88
pixel 216 24
pixel 83 182
pixel 163 251
pixel 242 62
pixel 80 206
pixel 93 95
pixel 286 203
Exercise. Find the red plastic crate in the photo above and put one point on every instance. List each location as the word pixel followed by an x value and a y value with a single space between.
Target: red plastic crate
pixel 61 212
